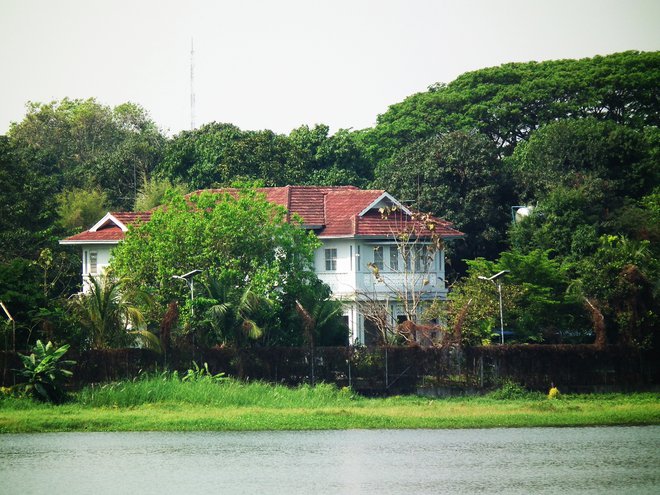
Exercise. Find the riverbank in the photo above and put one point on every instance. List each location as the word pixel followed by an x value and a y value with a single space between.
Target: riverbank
pixel 171 405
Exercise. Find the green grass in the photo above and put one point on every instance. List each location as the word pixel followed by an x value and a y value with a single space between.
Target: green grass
pixel 167 404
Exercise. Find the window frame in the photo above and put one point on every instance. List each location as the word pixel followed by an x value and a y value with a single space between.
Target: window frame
pixel 379 261
pixel 330 259
pixel 93 262
pixel 394 258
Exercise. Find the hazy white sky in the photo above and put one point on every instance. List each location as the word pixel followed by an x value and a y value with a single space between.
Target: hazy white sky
pixel 279 64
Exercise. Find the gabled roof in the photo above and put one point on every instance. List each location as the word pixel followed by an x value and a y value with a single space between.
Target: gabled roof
pixel 110 229
pixel 332 212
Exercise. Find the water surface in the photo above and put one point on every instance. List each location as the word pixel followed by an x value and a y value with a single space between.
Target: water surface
pixel 609 460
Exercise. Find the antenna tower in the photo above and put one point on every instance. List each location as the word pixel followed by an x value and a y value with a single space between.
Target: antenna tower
pixel 192 85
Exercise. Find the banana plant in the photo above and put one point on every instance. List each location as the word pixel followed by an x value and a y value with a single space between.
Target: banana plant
pixel 45 372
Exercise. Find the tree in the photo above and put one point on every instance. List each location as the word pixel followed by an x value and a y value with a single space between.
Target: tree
pixel 320 317
pixel 83 144
pixel 620 282
pixel 27 210
pixel 235 234
pixel 153 193
pixel 219 154
pixel 235 310
pixel 110 313
pixel 338 159
pixel 536 308
pixel 568 222
pixel 456 176
pixel 80 209
pixel 575 152
pixel 509 102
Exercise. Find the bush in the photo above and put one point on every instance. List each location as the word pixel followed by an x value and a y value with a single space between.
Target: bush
pixel 510 390
pixel 554 393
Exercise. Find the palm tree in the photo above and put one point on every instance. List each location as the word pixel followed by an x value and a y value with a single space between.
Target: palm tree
pixel 109 313
pixel 234 314
pixel 321 319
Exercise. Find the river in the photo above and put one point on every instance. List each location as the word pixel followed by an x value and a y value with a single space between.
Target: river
pixel 608 460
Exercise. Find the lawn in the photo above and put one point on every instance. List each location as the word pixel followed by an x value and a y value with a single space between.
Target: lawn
pixel 169 404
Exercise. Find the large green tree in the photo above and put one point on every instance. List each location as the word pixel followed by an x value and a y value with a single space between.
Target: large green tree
pixel 456 176
pixel 574 152
pixel 235 236
pixel 219 154
pixel 84 144
pixel 27 206
pixel 619 282
pixel 507 103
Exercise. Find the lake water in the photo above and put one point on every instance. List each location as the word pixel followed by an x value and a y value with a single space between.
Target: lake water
pixel 612 460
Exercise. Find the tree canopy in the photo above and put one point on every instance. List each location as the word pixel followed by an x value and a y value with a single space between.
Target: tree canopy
pixel 576 140
pixel 83 144
pixel 509 102
pixel 237 237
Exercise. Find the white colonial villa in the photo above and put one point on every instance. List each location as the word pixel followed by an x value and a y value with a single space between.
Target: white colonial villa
pixel 363 258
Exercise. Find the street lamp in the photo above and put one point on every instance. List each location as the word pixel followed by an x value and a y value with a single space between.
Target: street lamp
pixel 188 278
pixel 496 280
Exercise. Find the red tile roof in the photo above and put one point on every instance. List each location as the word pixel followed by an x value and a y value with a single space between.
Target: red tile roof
pixel 108 235
pixel 330 211
pixel 130 218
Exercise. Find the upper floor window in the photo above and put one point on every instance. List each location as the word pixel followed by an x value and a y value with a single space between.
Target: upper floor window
pixel 394 258
pixel 378 257
pixel 331 259
pixel 422 259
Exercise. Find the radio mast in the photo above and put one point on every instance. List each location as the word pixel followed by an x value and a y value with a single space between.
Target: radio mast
pixel 192 85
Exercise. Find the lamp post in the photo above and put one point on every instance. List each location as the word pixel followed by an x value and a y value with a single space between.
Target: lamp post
pixel 188 278
pixel 496 280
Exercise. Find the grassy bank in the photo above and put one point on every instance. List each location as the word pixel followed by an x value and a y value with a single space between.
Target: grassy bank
pixel 168 404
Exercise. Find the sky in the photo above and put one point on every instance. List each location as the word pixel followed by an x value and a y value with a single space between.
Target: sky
pixel 281 64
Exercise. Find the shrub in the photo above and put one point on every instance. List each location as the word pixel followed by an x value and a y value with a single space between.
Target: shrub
pixel 554 393
pixel 510 390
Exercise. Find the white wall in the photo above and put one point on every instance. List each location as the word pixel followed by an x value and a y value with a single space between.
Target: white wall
pixel 103 253
pixel 353 276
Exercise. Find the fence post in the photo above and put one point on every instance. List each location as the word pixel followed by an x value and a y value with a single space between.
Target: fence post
pixel 350 378
pixel 387 382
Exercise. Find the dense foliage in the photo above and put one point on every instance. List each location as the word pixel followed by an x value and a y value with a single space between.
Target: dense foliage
pixel 577 140
pixel 246 249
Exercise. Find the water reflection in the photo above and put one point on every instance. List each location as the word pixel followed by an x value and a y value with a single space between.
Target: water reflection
pixel 511 461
